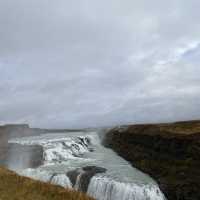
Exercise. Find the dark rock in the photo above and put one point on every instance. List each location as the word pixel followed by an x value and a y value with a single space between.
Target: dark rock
pixel 52 176
pixel 170 153
pixel 73 176
pixel 94 169
pixel 85 173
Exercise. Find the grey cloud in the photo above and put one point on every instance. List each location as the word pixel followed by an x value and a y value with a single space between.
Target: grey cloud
pixel 94 63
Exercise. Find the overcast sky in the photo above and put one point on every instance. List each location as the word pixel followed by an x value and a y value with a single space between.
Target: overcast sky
pixel 93 63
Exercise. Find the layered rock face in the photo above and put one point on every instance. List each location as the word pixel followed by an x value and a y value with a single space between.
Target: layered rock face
pixel 170 153
pixel 80 178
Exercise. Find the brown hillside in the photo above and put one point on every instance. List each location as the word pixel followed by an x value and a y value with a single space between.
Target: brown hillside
pixel 14 187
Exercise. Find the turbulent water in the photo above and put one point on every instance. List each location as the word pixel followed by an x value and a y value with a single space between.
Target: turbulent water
pixel 77 153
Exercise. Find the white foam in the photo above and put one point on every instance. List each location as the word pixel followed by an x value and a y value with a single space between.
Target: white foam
pixel 62 180
pixel 66 152
pixel 47 176
pixel 58 149
pixel 37 174
pixel 105 188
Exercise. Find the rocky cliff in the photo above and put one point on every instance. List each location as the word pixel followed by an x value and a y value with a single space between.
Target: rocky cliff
pixel 170 153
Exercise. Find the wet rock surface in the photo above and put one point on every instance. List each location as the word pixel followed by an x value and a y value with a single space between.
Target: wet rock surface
pixel 81 177
pixel 73 176
pixel 170 153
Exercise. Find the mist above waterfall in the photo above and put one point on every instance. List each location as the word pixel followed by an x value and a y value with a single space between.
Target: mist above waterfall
pixel 20 157
pixel 15 156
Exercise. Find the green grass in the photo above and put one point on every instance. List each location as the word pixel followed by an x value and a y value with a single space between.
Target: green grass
pixel 14 187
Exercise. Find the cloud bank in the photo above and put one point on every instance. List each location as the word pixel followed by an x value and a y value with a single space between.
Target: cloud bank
pixel 94 63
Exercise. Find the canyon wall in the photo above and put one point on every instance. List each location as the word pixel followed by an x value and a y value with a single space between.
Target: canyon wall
pixel 170 153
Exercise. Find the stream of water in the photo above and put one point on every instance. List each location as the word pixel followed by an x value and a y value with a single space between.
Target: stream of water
pixel 98 170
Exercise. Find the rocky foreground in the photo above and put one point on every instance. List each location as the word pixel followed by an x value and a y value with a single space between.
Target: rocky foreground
pixel 16 187
pixel 170 153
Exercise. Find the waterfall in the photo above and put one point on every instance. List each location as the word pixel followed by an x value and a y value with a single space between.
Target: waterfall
pixel 79 161
pixel 46 176
pixel 62 180
pixel 36 174
pixel 58 149
pixel 105 188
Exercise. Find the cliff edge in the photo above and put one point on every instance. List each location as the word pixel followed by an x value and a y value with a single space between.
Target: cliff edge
pixel 170 153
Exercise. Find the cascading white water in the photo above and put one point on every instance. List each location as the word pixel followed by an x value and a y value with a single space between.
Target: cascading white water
pixel 47 176
pixel 57 149
pixel 115 190
pixel 37 174
pixel 62 180
pixel 71 151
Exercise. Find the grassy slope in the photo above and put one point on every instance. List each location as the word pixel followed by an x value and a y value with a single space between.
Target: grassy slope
pixel 14 187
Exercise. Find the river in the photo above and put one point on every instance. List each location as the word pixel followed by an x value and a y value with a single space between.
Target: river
pixel 79 160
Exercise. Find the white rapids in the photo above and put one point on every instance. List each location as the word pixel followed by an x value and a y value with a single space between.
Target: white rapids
pixel 113 190
pixel 73 150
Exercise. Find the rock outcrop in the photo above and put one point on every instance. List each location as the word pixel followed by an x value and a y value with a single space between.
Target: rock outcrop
pixel 80 178
pixel 170 153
